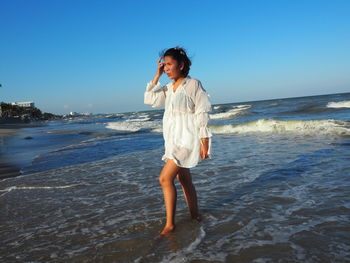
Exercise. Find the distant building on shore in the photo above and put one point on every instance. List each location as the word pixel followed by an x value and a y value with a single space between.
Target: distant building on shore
pixel 74 114
pixel 25 104
pixel 77 114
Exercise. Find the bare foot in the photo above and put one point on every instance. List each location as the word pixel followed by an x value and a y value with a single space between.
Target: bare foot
pixel 167 230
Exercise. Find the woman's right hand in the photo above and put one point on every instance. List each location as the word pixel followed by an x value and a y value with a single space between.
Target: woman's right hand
pixel 160 70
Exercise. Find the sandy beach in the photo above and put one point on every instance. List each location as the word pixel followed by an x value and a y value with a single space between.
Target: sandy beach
pixel 8 170
pixel 4 132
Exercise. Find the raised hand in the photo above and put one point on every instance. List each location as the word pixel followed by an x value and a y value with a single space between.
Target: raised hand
pixel 160 71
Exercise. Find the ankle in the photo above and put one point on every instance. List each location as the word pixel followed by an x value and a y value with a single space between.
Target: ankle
pixel 169 226
pixel 167 229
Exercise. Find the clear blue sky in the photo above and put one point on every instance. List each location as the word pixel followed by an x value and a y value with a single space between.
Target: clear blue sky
pixel 96 56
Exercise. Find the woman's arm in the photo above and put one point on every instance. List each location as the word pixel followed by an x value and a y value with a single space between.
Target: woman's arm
pixel 154 94
pixel 204 148
pixel 160 70
pixel 202 109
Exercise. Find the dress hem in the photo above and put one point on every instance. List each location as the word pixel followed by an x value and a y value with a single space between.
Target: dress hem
pixel 165 158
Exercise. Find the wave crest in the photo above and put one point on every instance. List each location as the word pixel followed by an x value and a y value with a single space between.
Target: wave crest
pixel 339 104
pixel 134 125
pixel 327 127
pixel 236 110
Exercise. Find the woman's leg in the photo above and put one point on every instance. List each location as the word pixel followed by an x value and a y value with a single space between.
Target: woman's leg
pixel 184 176
pixel 166 180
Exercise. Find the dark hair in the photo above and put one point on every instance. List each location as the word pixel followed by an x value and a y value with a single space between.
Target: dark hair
pixel 179 54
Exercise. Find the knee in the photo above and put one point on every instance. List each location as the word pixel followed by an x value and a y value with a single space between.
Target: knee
pixel 164 181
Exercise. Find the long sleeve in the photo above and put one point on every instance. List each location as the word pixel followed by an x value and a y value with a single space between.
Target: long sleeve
pixel 155 95
pixel 202 109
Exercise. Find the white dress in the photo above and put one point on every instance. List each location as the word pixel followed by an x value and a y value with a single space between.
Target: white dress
pixel 185 119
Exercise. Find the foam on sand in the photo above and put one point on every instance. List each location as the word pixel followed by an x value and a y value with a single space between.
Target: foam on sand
pixel 236 110
pixel 325 127
pixel 184 253
pixel 339 104
pixel 12 188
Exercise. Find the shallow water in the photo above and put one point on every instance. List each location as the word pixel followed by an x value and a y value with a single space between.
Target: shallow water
pixel 266 196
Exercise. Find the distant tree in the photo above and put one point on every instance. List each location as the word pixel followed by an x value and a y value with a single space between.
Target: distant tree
pixel 31 113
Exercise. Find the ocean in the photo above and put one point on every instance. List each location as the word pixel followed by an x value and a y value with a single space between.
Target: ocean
pixel 277 188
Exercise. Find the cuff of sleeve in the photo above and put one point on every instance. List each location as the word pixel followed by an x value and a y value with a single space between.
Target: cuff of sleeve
pixel 204 132
pixel 151 86
pixel 203 109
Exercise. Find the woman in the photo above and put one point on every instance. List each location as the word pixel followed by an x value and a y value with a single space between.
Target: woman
pixel 185 129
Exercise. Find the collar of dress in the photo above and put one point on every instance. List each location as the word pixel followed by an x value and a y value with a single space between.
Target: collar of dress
pixel 182 83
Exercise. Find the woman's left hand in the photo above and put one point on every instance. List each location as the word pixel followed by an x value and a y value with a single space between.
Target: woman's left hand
pixel 204 148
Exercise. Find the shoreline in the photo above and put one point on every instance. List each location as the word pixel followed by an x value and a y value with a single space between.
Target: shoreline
pixel 7 169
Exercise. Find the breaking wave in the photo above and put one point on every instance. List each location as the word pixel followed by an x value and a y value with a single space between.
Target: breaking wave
pixel 236 110
pixel 134 125
pixel 339 104
pixel 325 127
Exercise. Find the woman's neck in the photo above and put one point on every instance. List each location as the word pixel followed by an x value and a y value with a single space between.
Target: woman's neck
pixel 177 83
pixel 178 80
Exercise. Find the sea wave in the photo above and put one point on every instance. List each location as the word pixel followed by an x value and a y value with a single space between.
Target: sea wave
pixel 140 119
pixel 134 125
pixel 325 127
pixel 236 110
pixel 339 104
pixel 115 116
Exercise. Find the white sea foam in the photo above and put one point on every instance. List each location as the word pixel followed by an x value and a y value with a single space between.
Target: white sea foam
pixel 236 110
pixel 115 115
pixel 134 125
pixel 328 127
pixel 158 130
pixel 182 255
pixel 339 104
pixel 197 241
pixel 143 115
pixel 139 119
pixel 12 188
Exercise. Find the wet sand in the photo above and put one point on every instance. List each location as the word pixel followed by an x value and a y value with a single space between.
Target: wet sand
pixel 8 170
pixel 6 131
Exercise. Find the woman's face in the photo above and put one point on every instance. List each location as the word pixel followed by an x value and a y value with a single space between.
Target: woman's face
pixel 172 68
